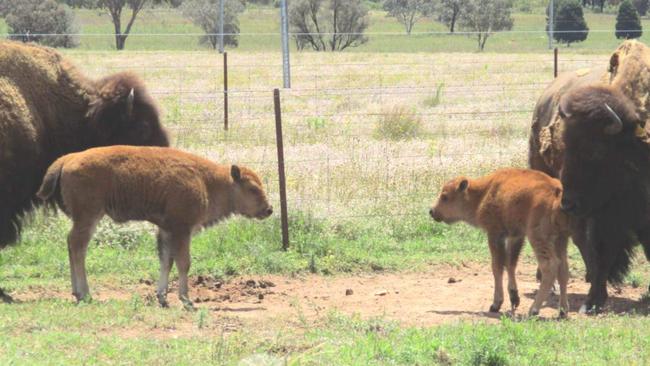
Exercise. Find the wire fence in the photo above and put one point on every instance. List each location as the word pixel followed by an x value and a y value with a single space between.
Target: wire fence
pixel 365 136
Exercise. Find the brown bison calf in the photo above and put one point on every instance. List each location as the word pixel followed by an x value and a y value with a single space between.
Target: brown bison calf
pixel 509 205
pixel 177 191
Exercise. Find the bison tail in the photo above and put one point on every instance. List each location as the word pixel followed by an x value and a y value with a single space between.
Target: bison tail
pixel 48 189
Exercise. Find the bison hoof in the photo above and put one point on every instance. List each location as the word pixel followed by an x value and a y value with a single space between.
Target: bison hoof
pixel 187 304
pixel 86 299
pixel 563 314
pixel 494 308
pixel 514 298
pixel 5 298
pixel 589 310
pixel 533 312
pixel 162 300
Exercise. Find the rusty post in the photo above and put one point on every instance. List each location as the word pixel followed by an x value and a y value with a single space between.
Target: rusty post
pixel 555 62
pixel 281 176
pixel 225 91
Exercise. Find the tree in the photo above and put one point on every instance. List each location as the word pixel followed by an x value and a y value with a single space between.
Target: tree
pixel 205 14
pixel 42 21
pixel 450 11
pixel 408 12
pixel 328 25
pixel 628 24
pixel 641 6
pixel 569 22
pixel 486 16
pixel 115 8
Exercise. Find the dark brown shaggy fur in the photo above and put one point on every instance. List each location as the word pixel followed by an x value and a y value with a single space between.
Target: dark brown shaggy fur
pixel 623 83
pixel 606 179
pixel 47 109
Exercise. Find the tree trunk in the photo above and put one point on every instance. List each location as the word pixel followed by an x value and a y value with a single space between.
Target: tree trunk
pixel 453 23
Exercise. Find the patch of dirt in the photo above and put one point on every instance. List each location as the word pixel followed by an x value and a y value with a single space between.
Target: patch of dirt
pixel 440 295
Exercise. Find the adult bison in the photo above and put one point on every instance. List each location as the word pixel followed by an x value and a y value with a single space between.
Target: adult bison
pixel 48 108
pixel 588 128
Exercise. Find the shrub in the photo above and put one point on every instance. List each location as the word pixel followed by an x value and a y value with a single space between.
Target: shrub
pixel 399 123
pixel 205 14
pixel 328 25
pixel 628 24
pixel 46 22
pixel 569 22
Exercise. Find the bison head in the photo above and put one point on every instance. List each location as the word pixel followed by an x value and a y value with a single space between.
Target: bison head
pixel 123 113
pixel 601 148
pixel 452 202
pixel 248 196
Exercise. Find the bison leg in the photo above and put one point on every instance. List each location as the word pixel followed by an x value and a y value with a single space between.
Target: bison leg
pixel 580 234
pixel 181 244
pixel 549 265
pixel 498 253
pixel 5 298
pixel 563 275
pixel 78 239
pixel 514 246
pixel 166 262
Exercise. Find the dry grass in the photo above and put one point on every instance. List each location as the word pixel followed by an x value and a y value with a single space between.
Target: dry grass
pixel 335 165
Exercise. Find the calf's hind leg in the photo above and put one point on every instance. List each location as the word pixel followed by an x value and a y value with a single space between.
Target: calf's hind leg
pixel 78 238
pixel 563 275
pixel 549 264
pixel 181 243
pixel 166 261
pixel 514 245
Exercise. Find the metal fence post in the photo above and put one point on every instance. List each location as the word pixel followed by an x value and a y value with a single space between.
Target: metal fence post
pixel 225 91
pixel 555 62
pixel 281 176
pixel 221 20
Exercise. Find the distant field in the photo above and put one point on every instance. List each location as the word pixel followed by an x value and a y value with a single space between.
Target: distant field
pixel 167 29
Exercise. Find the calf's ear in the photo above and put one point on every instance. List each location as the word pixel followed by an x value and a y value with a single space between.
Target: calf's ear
pixel 462 186
pixel 235 173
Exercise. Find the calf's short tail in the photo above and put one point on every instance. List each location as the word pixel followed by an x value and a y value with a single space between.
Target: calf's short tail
pixel 50 186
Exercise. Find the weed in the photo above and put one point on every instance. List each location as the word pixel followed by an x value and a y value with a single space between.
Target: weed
pixel 398 123
pixel 436 99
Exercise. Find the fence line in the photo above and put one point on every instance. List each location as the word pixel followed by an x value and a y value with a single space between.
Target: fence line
pixel 336 163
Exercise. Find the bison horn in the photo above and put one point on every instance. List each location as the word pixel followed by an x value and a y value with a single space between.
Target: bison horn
pixel 129 103
pixel 616 124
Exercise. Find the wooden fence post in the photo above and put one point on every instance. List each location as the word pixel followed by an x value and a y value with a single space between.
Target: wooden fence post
pixel 281 176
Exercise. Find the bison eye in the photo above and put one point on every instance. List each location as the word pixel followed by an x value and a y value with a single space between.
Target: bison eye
pixel 443 198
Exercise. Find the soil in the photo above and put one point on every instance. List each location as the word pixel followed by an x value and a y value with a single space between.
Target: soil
pixel 442 294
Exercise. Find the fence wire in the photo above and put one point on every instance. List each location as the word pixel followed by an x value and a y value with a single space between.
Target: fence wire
pixel 366 136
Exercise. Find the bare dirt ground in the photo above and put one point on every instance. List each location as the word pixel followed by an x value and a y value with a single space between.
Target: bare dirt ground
pixel 440 295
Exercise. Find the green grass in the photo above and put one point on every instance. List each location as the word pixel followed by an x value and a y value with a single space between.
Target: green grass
pixel 240 246
pixel 167 29
pixel 129 332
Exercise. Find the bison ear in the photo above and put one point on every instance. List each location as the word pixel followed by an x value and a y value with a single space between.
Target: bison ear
pixel 614 125
pixel 462 186
pixel 235 173
pixel 563 108
pixel 129 103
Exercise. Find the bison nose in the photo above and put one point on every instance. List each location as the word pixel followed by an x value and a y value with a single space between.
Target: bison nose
pixel 269 211
pixel 431 212
pixel 568 205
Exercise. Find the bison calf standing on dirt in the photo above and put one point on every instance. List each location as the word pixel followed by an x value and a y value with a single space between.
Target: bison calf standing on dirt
pixel 509 205
pixel 48 108
pixel 177 191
